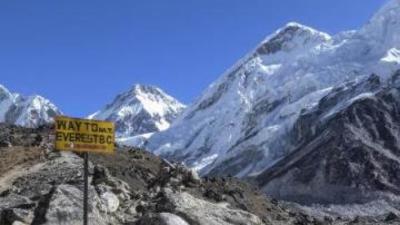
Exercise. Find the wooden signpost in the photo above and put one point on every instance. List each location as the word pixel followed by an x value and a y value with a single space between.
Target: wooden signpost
pixel 85 136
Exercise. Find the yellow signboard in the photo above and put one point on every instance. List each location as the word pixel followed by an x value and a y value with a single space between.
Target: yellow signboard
pixel 84 135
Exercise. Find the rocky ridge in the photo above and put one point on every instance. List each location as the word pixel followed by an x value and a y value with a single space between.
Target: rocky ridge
pixel 345 153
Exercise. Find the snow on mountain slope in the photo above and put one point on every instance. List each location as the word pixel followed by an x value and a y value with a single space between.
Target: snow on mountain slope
pixel 347 148
pixel 31 111
pixel 6 100
pixel 135 141
pixel 142 109
pixel 240 124
pixel 384 26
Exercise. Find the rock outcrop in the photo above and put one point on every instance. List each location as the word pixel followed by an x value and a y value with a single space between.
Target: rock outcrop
pixel 347 153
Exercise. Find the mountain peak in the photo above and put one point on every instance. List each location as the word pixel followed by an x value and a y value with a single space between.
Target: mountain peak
pixel 147 90
pixel 142 109
pixel 297 28
pixel 294 24
pixel 384 26
pixel 31 111
pixel 291 36
pixel 2 87
pixel 4 92
pixel 144 88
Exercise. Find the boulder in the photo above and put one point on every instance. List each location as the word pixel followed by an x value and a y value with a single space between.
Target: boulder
pixel 162 219
pixel 66 207
pixel 16 208
pixel 110 200
pixel 19 223
pixel 203 212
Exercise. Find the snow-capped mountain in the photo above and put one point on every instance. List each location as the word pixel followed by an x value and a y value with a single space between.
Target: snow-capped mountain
pixel 140 110
pixel 241 125
pixel 31 111
pixel 347 148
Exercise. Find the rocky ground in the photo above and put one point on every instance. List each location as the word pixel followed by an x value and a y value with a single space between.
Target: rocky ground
pixel 41 186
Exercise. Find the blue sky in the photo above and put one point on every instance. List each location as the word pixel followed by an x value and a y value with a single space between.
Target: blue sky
pixel 81 53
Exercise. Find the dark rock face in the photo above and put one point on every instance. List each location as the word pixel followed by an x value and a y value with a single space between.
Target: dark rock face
pixel 348 156
pixel 277 43
pixel 280 41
